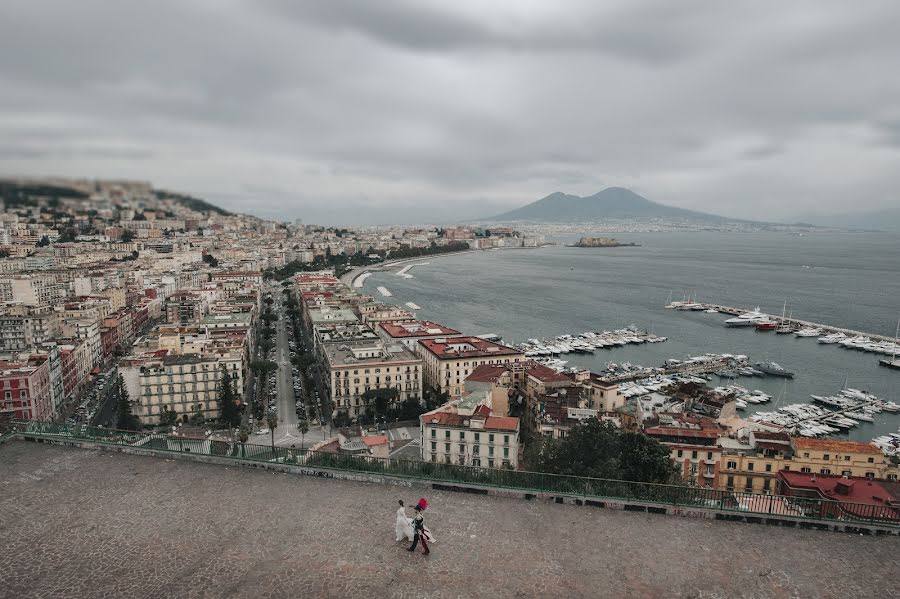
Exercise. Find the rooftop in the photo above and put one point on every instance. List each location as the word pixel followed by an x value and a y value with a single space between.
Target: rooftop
pixel 90 524
pixel 451 348
pixel 835 445
pixel 416 328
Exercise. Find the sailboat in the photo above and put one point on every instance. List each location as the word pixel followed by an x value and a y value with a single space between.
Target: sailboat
pixel 784 326
pixel 893 362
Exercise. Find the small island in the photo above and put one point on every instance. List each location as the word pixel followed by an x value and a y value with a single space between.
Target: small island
pixel 601 242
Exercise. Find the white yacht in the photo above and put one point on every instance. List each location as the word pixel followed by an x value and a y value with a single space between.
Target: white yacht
pixel 832 338
pixel 809 332
pixel 747 319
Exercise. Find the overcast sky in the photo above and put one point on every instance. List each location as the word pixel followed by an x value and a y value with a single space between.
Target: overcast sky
pixel 349 112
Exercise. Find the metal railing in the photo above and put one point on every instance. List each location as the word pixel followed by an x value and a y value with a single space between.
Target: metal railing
pixel 734 502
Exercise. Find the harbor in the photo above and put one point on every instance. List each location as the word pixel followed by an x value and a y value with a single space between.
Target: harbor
pixel 783 324
pixel 587 342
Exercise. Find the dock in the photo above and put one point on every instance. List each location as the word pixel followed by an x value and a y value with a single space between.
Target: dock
pixel 706 367
pixel 827 329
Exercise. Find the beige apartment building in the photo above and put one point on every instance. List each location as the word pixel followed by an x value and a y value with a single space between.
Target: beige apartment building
pixel 448 361
pixel 352 368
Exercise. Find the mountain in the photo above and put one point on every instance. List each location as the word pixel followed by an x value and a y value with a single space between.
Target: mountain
pixel 611 203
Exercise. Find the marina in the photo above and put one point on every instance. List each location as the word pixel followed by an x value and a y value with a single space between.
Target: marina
pixel 825 334
pixel 587 342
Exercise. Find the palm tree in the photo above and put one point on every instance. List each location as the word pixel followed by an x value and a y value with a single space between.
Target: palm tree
pixel 303 427
pixel 273 424
pixel 244 435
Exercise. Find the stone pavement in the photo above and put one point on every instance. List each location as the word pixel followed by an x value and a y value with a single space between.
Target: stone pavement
pixel 82 524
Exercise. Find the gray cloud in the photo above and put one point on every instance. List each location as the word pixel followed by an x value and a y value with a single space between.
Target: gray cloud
pixel 403 111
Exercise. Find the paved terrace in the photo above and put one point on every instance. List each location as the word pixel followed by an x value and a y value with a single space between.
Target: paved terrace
pixel 80 523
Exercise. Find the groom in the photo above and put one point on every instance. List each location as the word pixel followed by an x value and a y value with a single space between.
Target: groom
pixel 419 527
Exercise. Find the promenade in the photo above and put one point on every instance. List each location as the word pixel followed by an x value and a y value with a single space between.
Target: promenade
pixel 94 524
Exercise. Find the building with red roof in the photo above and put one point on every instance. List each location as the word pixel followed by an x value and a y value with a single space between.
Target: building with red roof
pixel 409 333
pixel 844 497
pixel 449 361
pixel 467 432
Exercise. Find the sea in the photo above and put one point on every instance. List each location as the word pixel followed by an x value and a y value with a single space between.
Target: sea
pixel 844 279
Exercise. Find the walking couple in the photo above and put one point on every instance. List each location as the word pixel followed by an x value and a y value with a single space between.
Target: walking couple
pixel 414 528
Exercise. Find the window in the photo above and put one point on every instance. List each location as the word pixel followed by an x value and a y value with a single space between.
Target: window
pixel 748 486
pixel 491 438
pixel 476 450
pixel 750 466
pixel 730 484
pixel 462 435
pixel 693 455
pixel 506 453
pixel 768 467
pixel 806 470
pixel 446 448
pixel 433 433
pixel 826 457
pixel 870 475
pixel 825 471
pixel 767 484
pixel 433 446
pixel 805 455
pixel 846 473
pixel 477 437
pixel 846 458
pixel 506 439
pixel 732 466
pixel 679 453
pixel 446 434
pixel 871 460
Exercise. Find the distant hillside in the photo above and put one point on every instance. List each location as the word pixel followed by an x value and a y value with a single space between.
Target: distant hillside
pixel 14 194
pixel 882 220
pixel 191 202
pixel 611 203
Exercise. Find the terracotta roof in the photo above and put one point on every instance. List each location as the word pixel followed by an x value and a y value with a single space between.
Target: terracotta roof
pixel 501 423
pixel 545 374
pixel 838 488
pixel 371 440
pixel 417 328
pixel 672 431
pixel 480 348
pixel 487 373
pixel 835 445
pixel 774 436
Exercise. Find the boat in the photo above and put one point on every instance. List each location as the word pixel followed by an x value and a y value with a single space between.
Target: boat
pixel 832 338
pixel 893 362
pixel 774 369
pixel 809 332
pixel 891 407
pixel 766 325
pixel 747 319
pixel 784 329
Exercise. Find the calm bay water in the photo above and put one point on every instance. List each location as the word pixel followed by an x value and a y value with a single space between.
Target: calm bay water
pixel 850 280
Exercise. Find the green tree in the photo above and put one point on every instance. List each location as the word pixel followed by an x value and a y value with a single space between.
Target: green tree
pixel 382 399
pixel 303 427
pixel 127 236
pixel 125 420
pixel 43 242
pixel 243 436
pixel 228 410
pixel 601 450
pixel 168 417
pixel 273 424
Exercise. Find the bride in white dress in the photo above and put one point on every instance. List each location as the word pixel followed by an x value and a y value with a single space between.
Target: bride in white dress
pixel 404 528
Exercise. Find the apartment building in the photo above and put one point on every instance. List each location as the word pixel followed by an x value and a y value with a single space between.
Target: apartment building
pixel 409 333
pixel 25 388
pixel 188 384
pixel 465 432
pixel 23 326
pixel 448 361
pixel 352 368
pixel 185 307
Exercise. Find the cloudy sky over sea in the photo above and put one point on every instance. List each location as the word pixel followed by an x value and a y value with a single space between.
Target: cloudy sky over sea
pixel 397 111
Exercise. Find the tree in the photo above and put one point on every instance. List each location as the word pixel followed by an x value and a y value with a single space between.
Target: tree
pixel 211 260
pixel 303 427
pixel 228 411
pixel 127 236
pixel 273 424
pixel 43 242
pixel 125 420
pixel 168 417
pixel 600 450
pixel 269 301
pixel 383 398
pixel 243 436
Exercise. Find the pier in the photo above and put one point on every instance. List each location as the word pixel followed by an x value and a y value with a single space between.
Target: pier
pixel 704 367
pixel 732 311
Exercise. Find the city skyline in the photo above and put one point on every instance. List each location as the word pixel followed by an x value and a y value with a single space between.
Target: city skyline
pixel 429 113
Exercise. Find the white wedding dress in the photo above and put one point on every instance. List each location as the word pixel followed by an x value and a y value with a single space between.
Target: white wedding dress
pixel 404 528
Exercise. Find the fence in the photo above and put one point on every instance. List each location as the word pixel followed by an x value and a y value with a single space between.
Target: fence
pixel 528 482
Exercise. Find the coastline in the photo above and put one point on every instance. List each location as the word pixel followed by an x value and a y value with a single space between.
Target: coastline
pixel 349 278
